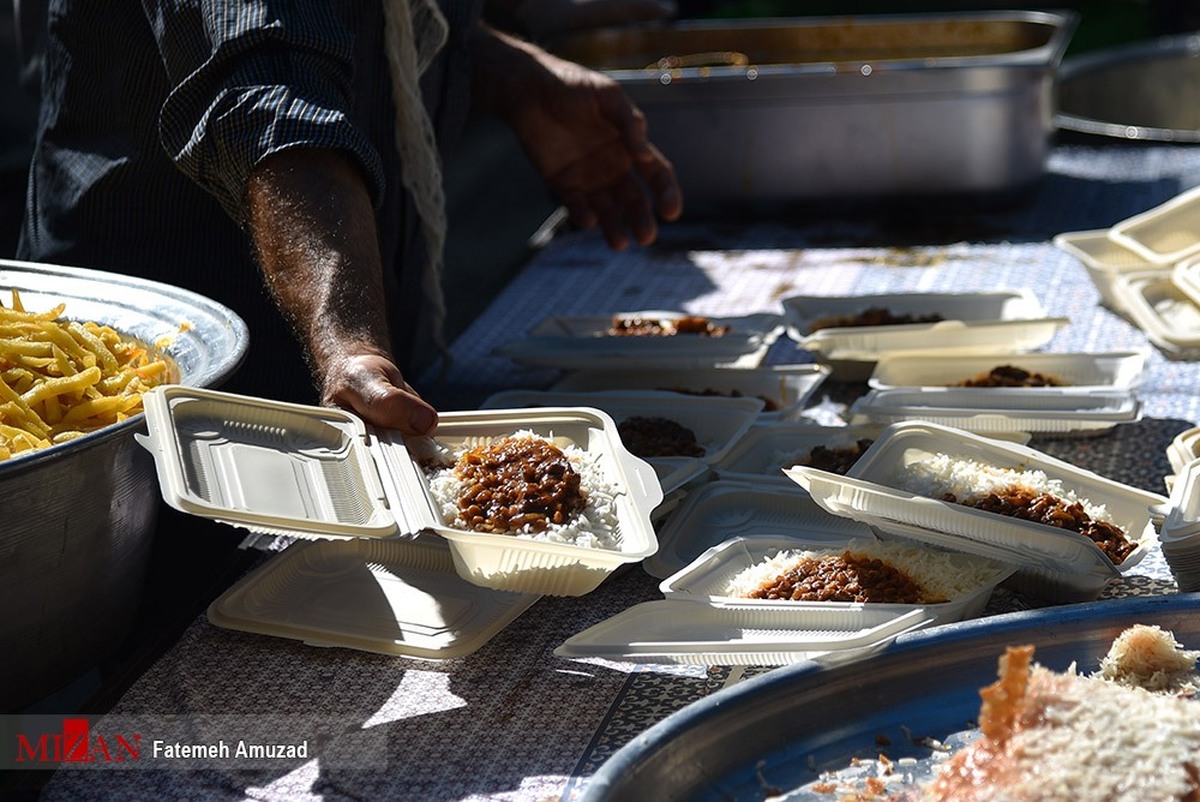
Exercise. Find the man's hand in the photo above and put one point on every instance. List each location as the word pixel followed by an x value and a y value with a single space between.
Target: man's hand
pixel 313 227
pixel 584 136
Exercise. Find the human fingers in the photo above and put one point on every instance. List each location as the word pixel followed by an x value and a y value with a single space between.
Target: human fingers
pixel 659 174
pixel 620 112
pixel 609 219
pixel 372 387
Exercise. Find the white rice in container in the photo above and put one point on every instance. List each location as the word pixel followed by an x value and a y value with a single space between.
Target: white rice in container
pixel 949 575
pixel 597 526
pixel 966 479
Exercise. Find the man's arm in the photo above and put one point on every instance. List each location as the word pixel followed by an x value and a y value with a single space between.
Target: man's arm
pixel 582 133
pixel 313 227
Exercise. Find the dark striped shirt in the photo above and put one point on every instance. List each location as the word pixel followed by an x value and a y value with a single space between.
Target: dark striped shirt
pixel 155 112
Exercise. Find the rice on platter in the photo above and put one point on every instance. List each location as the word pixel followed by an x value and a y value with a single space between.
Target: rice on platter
pixel 528 486
pixel 865 571
pixel 1026 494
pixel 1129 732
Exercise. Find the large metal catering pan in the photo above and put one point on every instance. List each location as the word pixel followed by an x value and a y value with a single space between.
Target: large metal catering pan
pixel 79 517
pixel 855 107
pixel 1147 90
pixel 776 731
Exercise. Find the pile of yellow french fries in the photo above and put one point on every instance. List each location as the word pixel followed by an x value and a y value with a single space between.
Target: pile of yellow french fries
pixel 60 379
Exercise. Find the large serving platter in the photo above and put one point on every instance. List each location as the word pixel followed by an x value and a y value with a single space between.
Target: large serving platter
pixel 776 732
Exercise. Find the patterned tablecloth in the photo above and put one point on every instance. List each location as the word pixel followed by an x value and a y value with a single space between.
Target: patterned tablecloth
pixel 514 722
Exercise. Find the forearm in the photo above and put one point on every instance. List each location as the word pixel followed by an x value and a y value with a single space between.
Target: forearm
pixel 313 228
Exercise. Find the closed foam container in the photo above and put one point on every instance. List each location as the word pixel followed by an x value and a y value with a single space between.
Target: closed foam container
pixel 728 508
pixel 1113 370
pixel 393 597
pixel 1000 410
pixel 1167 315
pixel 315 472
pixel 1184 448
pixel 1053 564
pixel 578 342
pixel 706 579
pixel 716 422
pixel 1164 234
pixel 1104 260
pixel 972 323
pixel 787 388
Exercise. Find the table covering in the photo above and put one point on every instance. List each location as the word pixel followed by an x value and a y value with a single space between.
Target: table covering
pixel 515 722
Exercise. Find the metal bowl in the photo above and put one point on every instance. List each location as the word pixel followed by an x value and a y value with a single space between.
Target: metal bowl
pixel 79 517
pixel 1146 90
pixel 778 730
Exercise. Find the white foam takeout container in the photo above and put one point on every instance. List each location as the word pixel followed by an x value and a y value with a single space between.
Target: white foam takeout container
pixel 786 387
pixel 316 472
pixel 393 597
pixel 1186 276
pixel 1180 536
pixel 577 342
pixel 1000 410
pixel 1164 234
pixel 1079 372
pixel 725 509
pixel 706 579
pixel 1104 261
pixel 1053 564
pixel 1169 318
pixel 1184 448
pixel 716 422
pixel 973 323
pixel 766 449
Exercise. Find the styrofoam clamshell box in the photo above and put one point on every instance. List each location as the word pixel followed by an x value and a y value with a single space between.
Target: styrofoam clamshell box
pixel 716 422
pixel 1000 410
pixel 1113 370
pixel 1054 564
pixel 972 323
pixel 766 449
pixel 575 342
pixel 724 509
pixel 1167 315
pixel 316 472
pixel 706 579
pixel 394 597
pixel 1104 260
pixel 1186 276
pixel 1164 234
pixel 784 388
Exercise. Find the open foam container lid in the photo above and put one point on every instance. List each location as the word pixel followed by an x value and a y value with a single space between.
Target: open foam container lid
pixel 868 493
pixel 394 597
pixel 674 632
pixel 316 472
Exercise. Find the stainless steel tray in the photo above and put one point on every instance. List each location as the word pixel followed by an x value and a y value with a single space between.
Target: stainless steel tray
pixel 775 732
pixel 841 107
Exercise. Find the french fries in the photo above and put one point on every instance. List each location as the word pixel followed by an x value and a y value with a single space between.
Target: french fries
pixel 60 379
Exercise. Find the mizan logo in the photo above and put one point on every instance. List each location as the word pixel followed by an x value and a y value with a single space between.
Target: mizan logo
pixel 78 744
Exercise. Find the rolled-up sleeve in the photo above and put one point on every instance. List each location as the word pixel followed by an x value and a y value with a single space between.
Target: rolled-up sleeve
pixel 253 78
